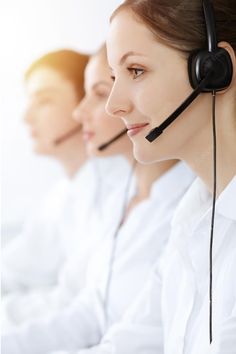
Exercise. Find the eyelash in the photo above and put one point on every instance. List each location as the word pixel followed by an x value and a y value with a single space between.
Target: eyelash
pixel 135 72
pixel 101 94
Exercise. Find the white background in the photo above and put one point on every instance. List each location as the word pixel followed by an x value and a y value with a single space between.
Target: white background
pixel 28 29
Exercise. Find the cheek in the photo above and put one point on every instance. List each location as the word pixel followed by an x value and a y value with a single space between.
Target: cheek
pixel 152 98
pixel 54 122
pixel 64 112
pixel 160 95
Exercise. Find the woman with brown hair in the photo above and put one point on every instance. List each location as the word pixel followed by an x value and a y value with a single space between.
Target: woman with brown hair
pixel 137 228
pixel 168 54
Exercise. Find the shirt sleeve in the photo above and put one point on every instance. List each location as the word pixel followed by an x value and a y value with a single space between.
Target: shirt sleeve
pixel 79 326
pixel 140 330
pixel 28 260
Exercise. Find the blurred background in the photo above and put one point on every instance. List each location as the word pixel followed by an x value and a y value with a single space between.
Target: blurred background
pixel 28 29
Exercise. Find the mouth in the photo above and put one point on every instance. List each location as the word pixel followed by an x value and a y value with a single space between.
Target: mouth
pixel 88 135
pixel 134 129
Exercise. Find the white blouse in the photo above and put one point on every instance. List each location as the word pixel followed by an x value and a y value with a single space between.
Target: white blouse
pixel 140 243
pixel 172 314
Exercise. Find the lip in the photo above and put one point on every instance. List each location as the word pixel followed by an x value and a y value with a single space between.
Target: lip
pixel 88 135
pixel 134 129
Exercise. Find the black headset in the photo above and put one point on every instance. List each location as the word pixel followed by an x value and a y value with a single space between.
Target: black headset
pixel 213 60
pixel 209 70
pixel 213 63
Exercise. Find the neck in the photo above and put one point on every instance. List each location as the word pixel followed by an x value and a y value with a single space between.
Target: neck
pixel 200 157
pixel 72 158
pixel 146 175
pixel 72 167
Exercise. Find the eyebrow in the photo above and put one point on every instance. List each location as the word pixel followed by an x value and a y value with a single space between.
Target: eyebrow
pixel 128 54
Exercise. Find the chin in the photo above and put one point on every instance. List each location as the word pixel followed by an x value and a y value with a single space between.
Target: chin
pixel 144 156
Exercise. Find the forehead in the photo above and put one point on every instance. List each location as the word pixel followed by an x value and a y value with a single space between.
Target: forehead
pixel 46 80
pixel 128 34
pixel 97 70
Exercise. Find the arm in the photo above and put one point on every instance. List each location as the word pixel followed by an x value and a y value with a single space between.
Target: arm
pixel 140 331
pixel 78 326
pixel 28 260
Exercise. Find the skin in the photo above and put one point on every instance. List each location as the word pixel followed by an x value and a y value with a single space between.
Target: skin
pixel 51 100
pixel 99 127
pixel 150 81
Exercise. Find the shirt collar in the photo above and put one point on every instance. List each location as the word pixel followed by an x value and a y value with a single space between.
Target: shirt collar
pixel 197 202
pixel 226 203
pixel 193 205
pixel 173 183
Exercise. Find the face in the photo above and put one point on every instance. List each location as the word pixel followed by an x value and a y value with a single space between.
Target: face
pixel 51 101
pixel 98 126
pixel 150 82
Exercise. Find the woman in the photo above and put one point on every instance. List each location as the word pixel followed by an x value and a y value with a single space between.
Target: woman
pixel 35 269
pixel 135 236
pixel 54 86
pixel 148 48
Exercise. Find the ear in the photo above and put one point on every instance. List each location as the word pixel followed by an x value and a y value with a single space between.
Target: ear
pixel 232 54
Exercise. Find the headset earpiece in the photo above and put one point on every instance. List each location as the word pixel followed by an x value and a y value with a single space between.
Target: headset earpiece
pixel 218 62
pixel 213 61
pixel 209 69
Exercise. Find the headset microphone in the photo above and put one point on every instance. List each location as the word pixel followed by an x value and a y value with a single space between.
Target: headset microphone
pixel 111 141
pixel 159 130
pixel 210 70
pixel 67 135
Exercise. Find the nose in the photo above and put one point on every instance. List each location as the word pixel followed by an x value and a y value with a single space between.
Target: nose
pixel 80 112
pixel 118 103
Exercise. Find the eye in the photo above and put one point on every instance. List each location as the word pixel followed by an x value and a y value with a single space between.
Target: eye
pixel 136 72
pixel 101 93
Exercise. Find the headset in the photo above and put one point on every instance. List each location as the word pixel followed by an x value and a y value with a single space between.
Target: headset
pixel 112 140
pixel 209 70
pixel 106 297
pixel 112 258
pixel 61 139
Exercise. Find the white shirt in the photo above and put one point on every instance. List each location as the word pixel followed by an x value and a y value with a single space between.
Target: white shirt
pixel 171 316
pixel 140 243
pixel 45 267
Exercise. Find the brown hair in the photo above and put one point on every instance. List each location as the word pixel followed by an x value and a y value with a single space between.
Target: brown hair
pixel 181 24
pixel 70 64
